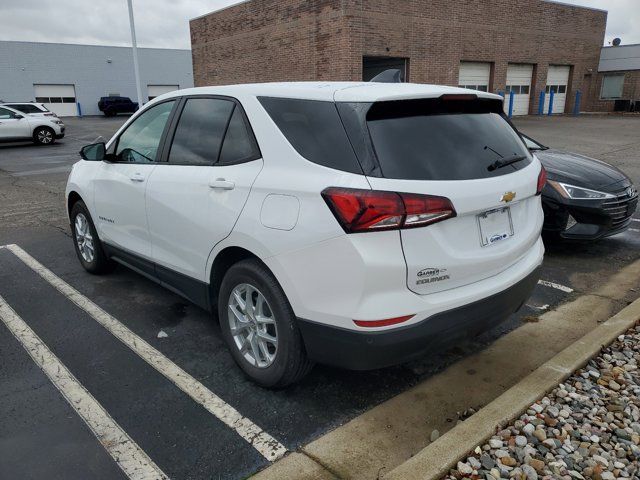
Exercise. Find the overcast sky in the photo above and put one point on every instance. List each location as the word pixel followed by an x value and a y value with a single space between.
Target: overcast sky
pixel 165 23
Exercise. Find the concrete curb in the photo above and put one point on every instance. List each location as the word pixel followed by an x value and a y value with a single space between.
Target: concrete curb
pixel 435 460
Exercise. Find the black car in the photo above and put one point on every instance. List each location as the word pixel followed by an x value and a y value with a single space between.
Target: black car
pixel 584 198
pixel 111 106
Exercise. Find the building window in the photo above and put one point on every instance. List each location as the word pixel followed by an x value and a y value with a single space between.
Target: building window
pixel 372 66
pixel 612 87
pixel 480 88
pixel 517 89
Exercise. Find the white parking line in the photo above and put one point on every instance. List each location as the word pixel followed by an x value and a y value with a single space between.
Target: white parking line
pixel 127 454
pixel 264 443
pixel 634 230
pixel 557 286
pixel 635 219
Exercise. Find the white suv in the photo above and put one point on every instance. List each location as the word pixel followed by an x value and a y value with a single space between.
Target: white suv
pixel 352 224
pixel 16 126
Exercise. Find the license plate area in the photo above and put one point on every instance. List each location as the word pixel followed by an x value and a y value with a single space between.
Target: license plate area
pixel 495 226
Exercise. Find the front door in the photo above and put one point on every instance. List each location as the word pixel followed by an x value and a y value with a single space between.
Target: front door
pixel 120 185
pixel 196 196
pixel 12 125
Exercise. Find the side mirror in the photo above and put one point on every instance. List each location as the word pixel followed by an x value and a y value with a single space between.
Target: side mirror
pixel 96 152
pixel 18 116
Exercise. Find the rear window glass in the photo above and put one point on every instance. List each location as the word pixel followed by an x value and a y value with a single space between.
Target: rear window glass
pixel 315 130
pixel 443 140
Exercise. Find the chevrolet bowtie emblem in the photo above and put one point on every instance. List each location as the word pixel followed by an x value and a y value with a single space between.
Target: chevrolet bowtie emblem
pixel 508 197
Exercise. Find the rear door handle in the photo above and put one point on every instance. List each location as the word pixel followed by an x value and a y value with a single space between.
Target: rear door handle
pixel 222 184
pixel 137 177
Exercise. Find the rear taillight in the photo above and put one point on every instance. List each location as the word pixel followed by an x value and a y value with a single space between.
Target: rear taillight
pixel 382 323
pixel 542 180
pixel 370 210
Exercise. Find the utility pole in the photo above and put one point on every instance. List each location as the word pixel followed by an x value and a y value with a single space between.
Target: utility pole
pixel 134 45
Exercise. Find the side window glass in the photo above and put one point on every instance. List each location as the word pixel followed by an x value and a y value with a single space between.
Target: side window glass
pixel 200 131
pixel 5 114
pixel 239 144
pixel 140 141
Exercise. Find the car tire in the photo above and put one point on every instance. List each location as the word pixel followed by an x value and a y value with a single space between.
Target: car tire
pixel 44 136
pixel 88 247
pixel 289 362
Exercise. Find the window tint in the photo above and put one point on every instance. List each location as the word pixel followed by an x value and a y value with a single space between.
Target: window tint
pixel 200 131
pixel 27 108
pixel 442 140
pixel 140 141
pixel 239 144
pixel 314 129
pixel 5 114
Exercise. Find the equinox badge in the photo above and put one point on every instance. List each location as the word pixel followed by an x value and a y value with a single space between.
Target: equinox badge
pixel 508 197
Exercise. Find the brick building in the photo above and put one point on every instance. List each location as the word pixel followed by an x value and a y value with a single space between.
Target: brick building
pixel 524 46
pixel 617 85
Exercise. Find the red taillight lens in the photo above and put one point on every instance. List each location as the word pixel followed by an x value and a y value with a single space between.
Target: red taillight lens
pixel 425 209
pixel 382 323
pixel 368 210
pixel 542 180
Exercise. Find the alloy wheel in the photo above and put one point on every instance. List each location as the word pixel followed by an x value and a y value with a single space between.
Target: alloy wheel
pixel 45 136
pixel 84 238
pixel 253 326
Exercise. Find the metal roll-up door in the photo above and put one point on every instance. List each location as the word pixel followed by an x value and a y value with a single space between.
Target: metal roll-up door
pixel 60 99
pixel 474 75
pixel 558 83
pixel 519 82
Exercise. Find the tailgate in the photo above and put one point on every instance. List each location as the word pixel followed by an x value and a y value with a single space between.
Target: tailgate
pixel 463 148
pixel 473 245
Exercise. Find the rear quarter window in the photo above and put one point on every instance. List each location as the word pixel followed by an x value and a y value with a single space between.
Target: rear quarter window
pixel 315 130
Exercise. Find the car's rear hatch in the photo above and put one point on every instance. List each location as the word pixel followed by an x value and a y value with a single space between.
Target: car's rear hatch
pixel 448 147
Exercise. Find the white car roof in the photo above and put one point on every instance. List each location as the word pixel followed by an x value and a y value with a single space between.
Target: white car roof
pixel 21 103
pixel 334 91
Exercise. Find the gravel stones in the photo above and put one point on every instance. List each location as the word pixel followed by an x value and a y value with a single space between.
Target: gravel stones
pixel 588 428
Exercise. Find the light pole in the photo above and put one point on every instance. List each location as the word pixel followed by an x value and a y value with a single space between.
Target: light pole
pixel 134 46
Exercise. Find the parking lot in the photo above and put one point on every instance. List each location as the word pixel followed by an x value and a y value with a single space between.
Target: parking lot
pixel 182 402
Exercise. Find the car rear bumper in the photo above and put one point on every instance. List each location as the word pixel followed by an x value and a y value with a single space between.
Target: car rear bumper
pixel 358 350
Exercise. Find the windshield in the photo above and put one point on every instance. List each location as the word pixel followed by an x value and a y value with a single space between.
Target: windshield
pixel 439 140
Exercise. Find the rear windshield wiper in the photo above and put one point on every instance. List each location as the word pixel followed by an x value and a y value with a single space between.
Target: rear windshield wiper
pixel 505 161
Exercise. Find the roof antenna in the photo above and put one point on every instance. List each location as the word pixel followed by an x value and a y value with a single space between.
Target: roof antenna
pixel 393 75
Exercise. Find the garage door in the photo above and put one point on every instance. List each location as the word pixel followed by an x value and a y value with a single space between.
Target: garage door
pixel 557 82
pixel 154 91
pixel 474 75
pixel 60 99
pixel 519 82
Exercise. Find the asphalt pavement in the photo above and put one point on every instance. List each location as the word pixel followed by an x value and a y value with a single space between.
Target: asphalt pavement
pixel 42 435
